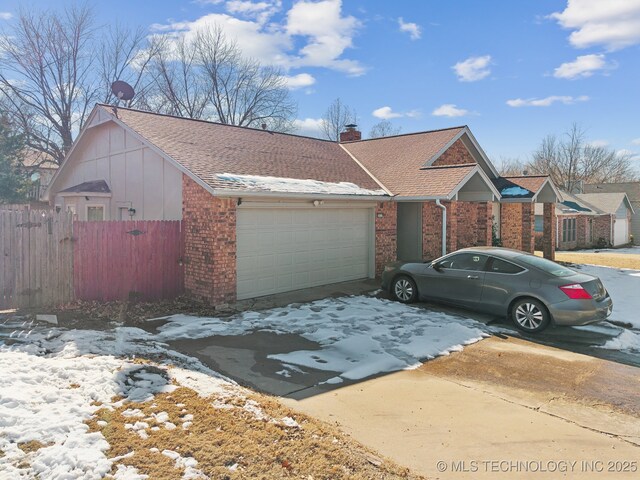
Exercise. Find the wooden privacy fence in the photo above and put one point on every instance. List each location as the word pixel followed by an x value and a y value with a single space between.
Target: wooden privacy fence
pixel 123 259
pixel 36 258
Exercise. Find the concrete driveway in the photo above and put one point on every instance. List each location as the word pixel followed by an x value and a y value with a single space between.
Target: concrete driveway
pixel 504 407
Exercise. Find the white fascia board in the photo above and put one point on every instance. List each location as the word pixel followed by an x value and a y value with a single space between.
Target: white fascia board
pixel 84 194
pixel 220 192
pixel 432 160
pixel 482 153
pixel 45 195
pixel 477 169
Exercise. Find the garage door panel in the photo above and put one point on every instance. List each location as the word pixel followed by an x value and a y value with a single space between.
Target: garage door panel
pixel 287 249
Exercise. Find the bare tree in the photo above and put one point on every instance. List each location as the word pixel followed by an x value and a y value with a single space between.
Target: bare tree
pixel 181 88
pixel 242 91
pixel 570 161
pixel 335 118
pixel 46 76
pixel 126 54
pixel 383 128
pixel 511 167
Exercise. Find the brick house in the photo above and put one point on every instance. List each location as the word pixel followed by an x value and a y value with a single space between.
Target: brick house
pixel 265 212
pixel 632 189
pixel 589 220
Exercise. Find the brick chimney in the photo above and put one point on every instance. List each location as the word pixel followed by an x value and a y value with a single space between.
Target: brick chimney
pixel 350 134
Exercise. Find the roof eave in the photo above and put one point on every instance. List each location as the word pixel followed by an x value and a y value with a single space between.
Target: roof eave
pixel 222 192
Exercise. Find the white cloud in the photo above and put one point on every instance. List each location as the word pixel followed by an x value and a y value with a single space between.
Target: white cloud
pixel 6 15
pixel 582 66
pixel 635 141
pixel 413 29
pixel 261 11
pixel 547 101
pixel 449 110
pixel 311 127
pixel 473 68
pixel 315 34
pixel 328 35
pixel 387 113
pixel 598 143
pixel 613 24
pixel 299 81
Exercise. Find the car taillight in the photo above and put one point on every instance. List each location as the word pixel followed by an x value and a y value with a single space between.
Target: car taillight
pixel 576 291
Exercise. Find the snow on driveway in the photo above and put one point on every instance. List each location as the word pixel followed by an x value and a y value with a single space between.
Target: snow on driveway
pixel 635 250
pixel 360 336
pixel 624 288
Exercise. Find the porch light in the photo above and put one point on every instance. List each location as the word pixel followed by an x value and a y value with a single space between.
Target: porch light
pixel 132 211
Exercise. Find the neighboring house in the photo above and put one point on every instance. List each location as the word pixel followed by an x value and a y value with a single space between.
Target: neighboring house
pixel 40 168
pixel 589 220
pixel 579 224
pixel 619 207
pixel 265 212
pixel 632 189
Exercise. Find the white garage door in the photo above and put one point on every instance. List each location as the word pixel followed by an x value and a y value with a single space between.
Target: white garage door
pixel 621 232
pixel 283 249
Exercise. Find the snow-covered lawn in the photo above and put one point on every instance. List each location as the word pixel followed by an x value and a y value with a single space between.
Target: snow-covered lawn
pixel 359 336
pixel 59 386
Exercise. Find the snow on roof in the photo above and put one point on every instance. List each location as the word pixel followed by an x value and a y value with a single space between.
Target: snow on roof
pixel 292 185
pixel 514 192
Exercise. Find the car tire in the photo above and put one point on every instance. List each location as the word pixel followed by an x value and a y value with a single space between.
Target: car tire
pixel 529 315
pixel 404 289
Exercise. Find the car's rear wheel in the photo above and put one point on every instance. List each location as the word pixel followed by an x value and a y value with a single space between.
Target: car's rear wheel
pixel 529 315
pixel 404 289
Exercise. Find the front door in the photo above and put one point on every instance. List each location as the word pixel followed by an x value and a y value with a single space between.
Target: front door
pixel 409 231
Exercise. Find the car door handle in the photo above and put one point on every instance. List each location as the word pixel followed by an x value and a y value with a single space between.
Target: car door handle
pixel 473 277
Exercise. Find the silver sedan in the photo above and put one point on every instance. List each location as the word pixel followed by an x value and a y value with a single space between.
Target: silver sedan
pixel 532 291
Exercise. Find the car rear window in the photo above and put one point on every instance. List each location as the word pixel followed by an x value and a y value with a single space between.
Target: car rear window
pixel 546 265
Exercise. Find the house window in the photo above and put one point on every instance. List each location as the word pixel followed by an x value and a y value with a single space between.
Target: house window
pixel 539 223
pixel 95 213
pixel 569 230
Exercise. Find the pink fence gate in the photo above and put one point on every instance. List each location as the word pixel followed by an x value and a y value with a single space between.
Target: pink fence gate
pixel 123 259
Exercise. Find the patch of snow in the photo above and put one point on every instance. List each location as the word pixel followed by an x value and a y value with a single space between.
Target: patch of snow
pixel 627 340
pixel 289 422
pixel 187 463
pixel 292 185
pixel 623 287
pixel 360 336
pixel 635 250
pixel 515 192
pixel 127 472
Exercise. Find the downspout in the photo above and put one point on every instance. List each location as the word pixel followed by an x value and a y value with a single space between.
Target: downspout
pixel 444 226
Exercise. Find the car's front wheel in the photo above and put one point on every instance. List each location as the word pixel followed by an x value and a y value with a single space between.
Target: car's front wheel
pixel 529 315
pixel 404 289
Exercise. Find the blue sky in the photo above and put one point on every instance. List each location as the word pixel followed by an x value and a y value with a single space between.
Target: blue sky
pixel 513 71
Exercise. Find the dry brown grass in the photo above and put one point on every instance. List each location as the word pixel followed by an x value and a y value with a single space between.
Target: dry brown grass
pixel 32 446
pixel 605 259
pixel 221 437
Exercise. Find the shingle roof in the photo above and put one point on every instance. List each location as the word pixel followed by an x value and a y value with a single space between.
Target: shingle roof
pixel 208 149
pixel 94 186
pixel 533 183
pixel 607 202
pixel 434 181
pixel 632 189
pixel 396 161
pixel 571 205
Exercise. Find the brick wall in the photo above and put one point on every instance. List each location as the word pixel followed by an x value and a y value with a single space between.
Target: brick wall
pixel 602 228
pixel 549 231
pixel 432 228
pixel 210 244
pixel 517 222
pixel 456 154
pixel 386 235
pixel 467 225
pixel 484 223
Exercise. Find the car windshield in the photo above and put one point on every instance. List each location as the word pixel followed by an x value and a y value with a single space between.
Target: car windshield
pixel 546 265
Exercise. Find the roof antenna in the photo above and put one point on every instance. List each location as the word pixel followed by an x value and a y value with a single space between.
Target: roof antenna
pixel 122 91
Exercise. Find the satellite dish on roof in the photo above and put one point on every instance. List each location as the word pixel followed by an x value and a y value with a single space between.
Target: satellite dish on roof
pixel 122 90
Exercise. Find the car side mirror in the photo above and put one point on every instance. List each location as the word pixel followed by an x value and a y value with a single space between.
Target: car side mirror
pixel 436 267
